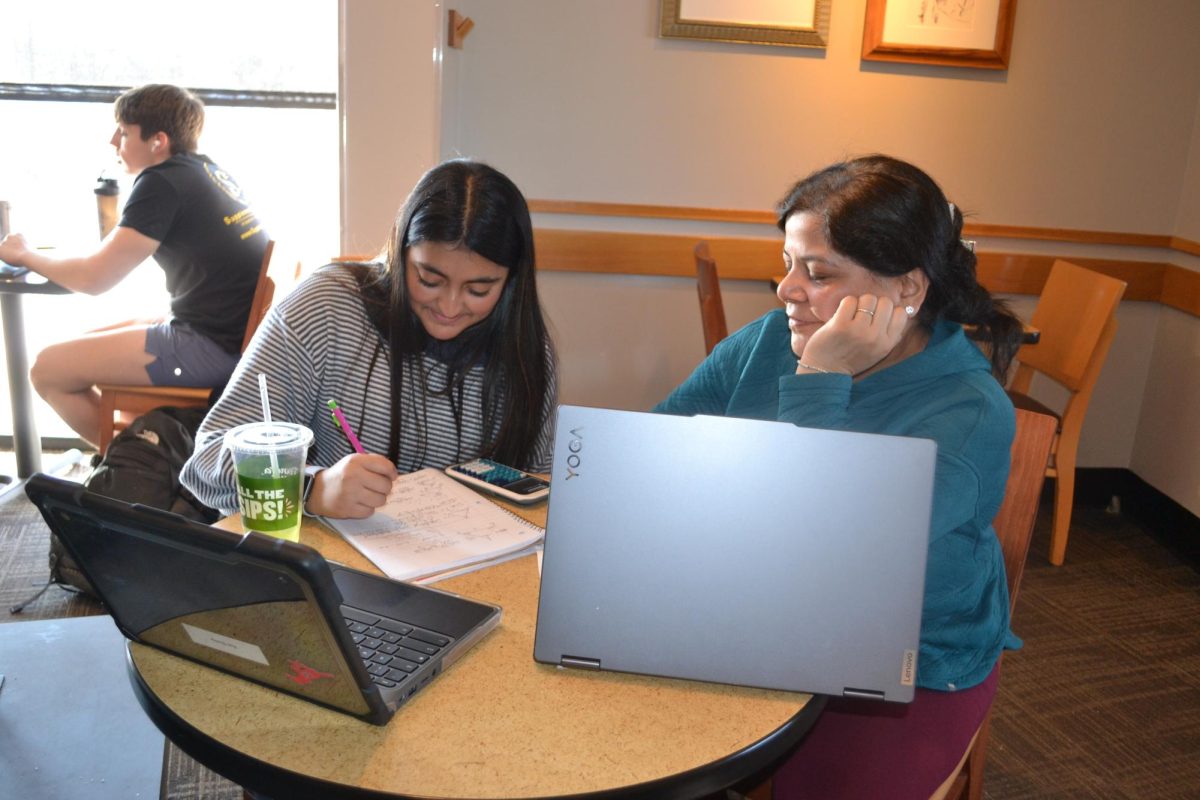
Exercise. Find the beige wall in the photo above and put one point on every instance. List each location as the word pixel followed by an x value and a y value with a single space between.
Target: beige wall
pixel 1187 224
pixel 581 100
pixel 1167 450
pixel 389 105
pixel 1094 126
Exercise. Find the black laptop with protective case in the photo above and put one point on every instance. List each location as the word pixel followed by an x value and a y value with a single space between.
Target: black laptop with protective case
pixel 264 609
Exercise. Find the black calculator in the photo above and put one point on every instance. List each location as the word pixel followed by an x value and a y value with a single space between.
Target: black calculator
pixel 503 481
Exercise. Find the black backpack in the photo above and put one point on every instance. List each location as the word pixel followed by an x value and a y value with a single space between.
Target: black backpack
pixel 142 465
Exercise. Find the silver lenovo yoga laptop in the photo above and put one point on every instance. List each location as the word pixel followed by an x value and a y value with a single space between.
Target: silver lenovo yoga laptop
pixel 270 611
pixel 736 551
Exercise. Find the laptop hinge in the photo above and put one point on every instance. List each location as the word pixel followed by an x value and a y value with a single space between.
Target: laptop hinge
pixel 579 663
pixel 862 694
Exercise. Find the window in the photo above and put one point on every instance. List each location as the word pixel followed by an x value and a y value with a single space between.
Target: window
pixel 267 72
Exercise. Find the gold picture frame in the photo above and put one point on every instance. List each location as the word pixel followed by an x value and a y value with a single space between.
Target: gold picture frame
pixel 953 33
pixel 790 23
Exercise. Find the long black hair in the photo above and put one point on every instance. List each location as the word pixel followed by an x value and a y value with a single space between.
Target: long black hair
pixel 890 217
pixel 469 204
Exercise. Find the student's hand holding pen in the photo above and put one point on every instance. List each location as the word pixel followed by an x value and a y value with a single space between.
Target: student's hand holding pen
pixel 353 487
pixel 356 485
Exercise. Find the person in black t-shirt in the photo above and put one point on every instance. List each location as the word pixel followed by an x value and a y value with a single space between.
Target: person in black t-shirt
pixel 191 217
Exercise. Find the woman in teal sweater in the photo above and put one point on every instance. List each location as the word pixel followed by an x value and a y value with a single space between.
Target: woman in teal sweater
pixel 878 287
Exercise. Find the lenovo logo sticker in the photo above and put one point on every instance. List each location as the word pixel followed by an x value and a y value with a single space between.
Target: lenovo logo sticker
pixel 908 668
pixel 574 445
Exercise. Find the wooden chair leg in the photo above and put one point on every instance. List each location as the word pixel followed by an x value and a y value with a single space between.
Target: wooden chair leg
pixel 107 412
pixel 760 792
pixel 977 758
pixel 1064 499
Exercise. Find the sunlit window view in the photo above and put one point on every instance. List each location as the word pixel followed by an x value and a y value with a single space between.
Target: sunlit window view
pixel 282 149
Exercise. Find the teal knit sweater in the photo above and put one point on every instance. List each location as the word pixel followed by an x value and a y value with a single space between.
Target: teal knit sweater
pixel 945 393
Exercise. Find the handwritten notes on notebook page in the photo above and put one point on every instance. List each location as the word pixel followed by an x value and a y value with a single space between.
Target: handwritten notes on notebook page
pixel 433 527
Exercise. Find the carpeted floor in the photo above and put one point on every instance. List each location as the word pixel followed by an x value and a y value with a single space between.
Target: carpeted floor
pixel 24 569
pixel 1103 702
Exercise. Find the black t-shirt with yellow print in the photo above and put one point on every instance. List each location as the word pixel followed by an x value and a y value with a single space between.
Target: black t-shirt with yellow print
pixel 211 243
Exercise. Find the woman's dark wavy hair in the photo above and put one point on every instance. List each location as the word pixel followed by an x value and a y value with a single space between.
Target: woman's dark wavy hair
pixel 469 204
pixel 890 217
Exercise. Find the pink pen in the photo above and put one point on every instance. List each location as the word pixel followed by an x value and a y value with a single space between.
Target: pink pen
pixel 340 419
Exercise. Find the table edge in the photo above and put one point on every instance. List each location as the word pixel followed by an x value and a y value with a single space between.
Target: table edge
pixel 261 776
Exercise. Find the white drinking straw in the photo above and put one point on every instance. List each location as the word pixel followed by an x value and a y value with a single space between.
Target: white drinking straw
pixel 266 400
pixel 266 407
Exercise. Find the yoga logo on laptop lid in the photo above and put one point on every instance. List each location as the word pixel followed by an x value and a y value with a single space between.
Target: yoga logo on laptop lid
pixel 574 458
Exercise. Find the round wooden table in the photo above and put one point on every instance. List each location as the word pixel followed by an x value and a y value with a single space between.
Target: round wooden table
pixel 494 725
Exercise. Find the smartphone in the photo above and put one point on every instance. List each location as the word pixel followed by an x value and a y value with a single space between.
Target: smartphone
pixel 8 271
pixel 503 481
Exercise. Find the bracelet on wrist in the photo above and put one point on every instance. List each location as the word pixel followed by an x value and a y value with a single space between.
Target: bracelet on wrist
pixel 811 368
pixel 310 480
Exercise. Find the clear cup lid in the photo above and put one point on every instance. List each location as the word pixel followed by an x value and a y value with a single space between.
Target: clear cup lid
pixel 268 437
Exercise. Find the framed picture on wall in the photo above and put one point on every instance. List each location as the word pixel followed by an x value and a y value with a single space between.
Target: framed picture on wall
pixel 956 33
pixel 788 23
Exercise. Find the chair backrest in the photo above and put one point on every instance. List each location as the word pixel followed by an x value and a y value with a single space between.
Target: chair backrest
pixel 1075 307
pixel 264 293
pixel 1014 521
pixel 1014 528
pixel 287 270
pixel 708 287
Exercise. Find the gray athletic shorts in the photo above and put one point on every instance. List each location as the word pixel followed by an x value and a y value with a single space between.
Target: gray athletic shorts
pixel 186 357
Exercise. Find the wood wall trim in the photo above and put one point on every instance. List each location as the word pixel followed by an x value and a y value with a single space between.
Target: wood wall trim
pixel 1021 273
pixel 1181 289
pixel 592 209
pixel 584 208
pixel 653 254
pixel 747 258
pixel 1066 235
pixel 1185 246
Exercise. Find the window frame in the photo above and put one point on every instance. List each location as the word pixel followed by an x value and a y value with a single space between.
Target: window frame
pixel 77 93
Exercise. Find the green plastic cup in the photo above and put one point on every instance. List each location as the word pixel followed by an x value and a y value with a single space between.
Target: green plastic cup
pixel 269 458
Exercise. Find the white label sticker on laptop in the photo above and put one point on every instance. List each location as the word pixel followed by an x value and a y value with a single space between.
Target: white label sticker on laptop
pixel 908 668
pixel 250 652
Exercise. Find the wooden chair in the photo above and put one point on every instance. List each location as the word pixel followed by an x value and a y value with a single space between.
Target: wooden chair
pixel 1076 317
pixel 708 287
pixel 1014 526
pixel 119 403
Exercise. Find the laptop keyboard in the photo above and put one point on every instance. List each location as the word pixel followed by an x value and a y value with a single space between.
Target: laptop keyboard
pixel 392 650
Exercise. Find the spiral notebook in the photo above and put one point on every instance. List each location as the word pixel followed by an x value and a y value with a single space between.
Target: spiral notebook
pixel 433 527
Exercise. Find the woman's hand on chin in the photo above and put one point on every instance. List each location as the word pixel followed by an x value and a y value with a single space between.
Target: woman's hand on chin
pixel 863 331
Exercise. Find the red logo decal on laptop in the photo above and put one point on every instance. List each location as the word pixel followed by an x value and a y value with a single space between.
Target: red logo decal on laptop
pixel 304 674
